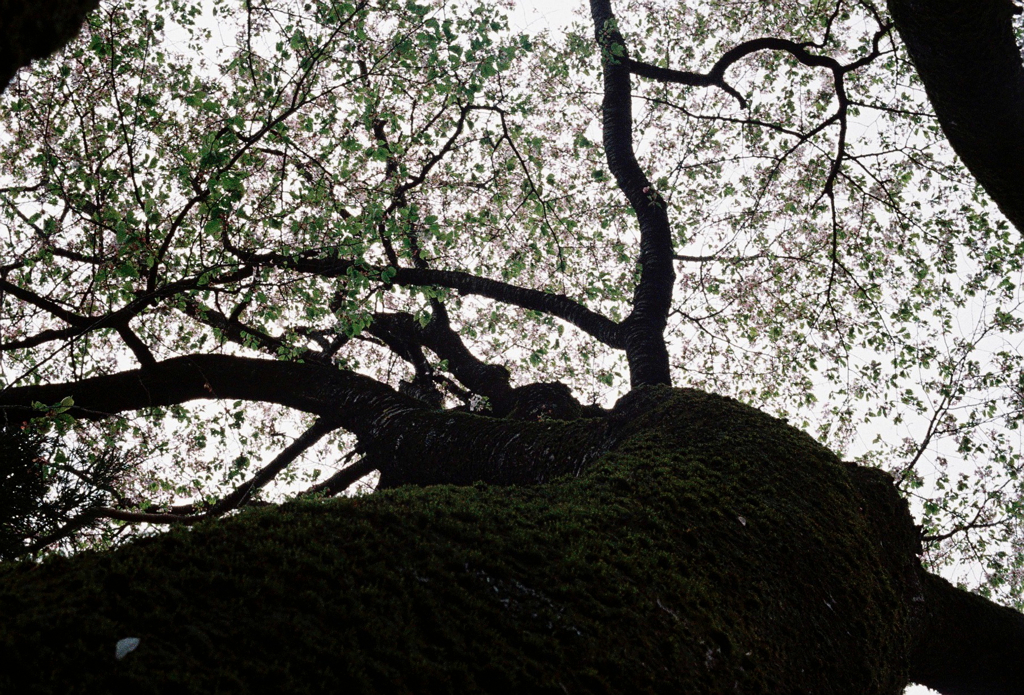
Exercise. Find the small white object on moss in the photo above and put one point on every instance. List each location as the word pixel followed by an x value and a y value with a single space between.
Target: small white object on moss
pixel 125 647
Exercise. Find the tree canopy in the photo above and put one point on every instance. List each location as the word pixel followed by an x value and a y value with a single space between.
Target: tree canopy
pixel 249 250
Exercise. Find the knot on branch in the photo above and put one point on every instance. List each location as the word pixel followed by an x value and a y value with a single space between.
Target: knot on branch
pixel 543 401
pixel 423 389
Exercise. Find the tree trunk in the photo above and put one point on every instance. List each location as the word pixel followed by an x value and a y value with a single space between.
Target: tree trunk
pixel 709 549
pixel 967 56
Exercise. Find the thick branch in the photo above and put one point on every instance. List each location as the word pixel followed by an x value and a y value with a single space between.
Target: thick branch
pixel 35 30
pixel 358 403
pixel 716 77
pixel 644 328
pixel 134 342
pixel 400 332
pixel 968 59
pixel 437 336
pixel 489 380
pixel 966 644
pixel 558 305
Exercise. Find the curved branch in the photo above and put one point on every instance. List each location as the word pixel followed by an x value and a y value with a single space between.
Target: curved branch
pixel 716 77
pixel 399 332
pixel 558 305
pixel 489 380
pixel 643 330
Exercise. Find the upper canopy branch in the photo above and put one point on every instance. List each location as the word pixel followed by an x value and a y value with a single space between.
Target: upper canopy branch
pixel 799 51
pixel 117 319
pixel 591 322
pixel 716 76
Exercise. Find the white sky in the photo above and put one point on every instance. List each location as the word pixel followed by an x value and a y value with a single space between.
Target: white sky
pixel 533 16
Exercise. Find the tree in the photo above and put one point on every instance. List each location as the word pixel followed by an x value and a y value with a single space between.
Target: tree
pixel 324 220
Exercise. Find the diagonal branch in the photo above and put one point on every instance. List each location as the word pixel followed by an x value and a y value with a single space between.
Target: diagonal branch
pixel 341 480
pixel 240 333
pixel 716 77
pixel 141 351
pixel 46 305
pixel 189 514
pixel 242 494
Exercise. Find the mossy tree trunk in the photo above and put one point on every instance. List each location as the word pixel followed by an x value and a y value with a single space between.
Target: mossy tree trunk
pixel 705 547
pixel 32 30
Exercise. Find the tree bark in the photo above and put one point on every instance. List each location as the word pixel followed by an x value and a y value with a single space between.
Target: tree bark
pixel 643 330
pixel 407 441
pixel 968 59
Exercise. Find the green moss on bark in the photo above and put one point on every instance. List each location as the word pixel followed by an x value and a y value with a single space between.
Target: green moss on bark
pixel 713 550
